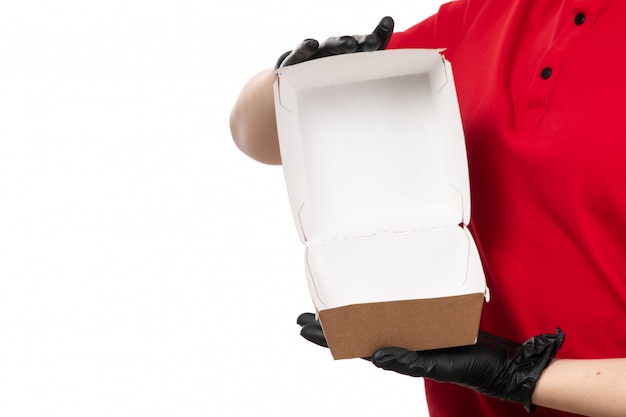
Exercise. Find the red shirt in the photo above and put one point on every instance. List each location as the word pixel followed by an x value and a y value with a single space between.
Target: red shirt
pixel 541 87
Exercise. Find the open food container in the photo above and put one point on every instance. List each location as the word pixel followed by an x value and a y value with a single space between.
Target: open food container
pixel 375 165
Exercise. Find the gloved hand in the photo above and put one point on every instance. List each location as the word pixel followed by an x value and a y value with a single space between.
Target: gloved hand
pixel 493 366
pixel 312 329
pixel 311 48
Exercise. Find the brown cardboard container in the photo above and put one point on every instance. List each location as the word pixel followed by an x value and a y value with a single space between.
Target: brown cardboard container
pixel 374 160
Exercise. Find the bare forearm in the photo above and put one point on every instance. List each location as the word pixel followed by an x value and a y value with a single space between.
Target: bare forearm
pixel 253 120
pixel 589 387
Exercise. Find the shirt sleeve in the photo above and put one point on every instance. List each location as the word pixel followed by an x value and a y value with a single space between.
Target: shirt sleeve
pixel 442 30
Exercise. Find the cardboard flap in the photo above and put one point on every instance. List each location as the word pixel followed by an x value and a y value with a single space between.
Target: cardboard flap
pixel 349 68
pixel 429 263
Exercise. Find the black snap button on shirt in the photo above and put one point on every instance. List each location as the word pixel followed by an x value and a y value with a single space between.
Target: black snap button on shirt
pixel 546 73
pixel 579 19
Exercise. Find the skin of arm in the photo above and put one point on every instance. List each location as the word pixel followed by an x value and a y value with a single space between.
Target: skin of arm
pixel 591 387
pixel 253 120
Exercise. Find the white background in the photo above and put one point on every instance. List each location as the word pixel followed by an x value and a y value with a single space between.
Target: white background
pixel 147 267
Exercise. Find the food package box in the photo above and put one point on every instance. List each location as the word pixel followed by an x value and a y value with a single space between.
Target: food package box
pixel 374 159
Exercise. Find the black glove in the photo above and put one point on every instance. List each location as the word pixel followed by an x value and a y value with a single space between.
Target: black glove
pixel 311 49
pixel 493 366
pixel 312 329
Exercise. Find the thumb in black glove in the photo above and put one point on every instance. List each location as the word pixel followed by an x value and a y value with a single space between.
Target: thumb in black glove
pixel 493 366
pixel 311 48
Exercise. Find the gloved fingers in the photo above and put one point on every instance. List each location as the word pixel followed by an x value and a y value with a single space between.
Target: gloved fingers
pixel 337 45
pixel 303 52
pixel 367 43
pixel 384 30
pixel 308 318
pixel 399 360
pixel 312 329
pixel 314 333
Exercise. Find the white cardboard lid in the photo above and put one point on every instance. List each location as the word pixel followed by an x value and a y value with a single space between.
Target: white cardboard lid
pixel 372 143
